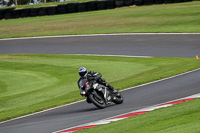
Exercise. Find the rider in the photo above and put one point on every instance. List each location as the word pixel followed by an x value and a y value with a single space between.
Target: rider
pixel 94 76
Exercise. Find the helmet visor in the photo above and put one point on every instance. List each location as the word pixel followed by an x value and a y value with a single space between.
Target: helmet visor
pixel 82 74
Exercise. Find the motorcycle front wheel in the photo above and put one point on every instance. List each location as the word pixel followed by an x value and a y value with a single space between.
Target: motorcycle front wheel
pixel 118 99
pixel 99 102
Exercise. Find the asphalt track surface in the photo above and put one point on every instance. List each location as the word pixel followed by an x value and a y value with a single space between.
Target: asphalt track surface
pixel 136 98
pixel 169 45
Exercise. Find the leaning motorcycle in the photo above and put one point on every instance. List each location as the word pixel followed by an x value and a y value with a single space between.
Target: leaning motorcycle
pixel 98 94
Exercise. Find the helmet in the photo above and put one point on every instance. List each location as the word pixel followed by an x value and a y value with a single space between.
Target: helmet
pixel 82 72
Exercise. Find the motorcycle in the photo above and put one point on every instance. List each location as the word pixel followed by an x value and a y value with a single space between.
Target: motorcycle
pixel 99 94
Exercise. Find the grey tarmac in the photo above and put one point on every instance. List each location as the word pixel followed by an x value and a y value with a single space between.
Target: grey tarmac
pixel 136 98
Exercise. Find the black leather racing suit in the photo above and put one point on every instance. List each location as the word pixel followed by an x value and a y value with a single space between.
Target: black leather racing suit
pixel 97 77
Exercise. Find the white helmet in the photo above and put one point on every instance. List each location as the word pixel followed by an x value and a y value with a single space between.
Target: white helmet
pixel 82 72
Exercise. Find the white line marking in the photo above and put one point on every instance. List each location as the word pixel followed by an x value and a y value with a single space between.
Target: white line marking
pixel 162 79
pixel 150 108
pixel 41 111
pixel 93 35
pixel 84 100
pixel 115 55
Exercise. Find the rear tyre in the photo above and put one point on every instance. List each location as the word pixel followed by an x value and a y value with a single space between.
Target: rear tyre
pixel 100 103
pixel 118 99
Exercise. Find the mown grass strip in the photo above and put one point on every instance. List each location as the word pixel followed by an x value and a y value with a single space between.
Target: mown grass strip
pixel 30 83
pixel 179 118
pixel 166 18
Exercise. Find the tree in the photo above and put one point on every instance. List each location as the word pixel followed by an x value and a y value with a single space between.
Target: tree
pixel 4 3
pixel 16 3
pixel 10 2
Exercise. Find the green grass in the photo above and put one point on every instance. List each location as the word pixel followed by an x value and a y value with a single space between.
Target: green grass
pixel 180 118
pixel 182 17
pixel 30 83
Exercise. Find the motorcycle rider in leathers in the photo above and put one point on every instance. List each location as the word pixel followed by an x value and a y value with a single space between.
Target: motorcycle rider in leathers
pixel 90 76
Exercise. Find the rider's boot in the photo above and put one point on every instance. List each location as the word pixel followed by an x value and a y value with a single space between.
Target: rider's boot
pixel 112 89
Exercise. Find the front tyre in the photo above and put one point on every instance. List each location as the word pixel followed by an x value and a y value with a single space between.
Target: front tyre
pixel 118 99
pixel 99 102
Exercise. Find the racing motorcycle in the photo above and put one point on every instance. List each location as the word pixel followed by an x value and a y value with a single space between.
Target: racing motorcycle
pixel 98 94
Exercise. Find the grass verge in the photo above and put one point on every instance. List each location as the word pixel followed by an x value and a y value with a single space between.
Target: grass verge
pixel 166 18
pixel 180 118
pixel 30 83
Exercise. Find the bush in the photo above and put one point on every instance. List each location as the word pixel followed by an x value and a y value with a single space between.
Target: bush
pixel 1 14
pixel 110 4
pixel 52 10
pixel 128 2
pixel 101 5
pixel 62 9
pixel 34 12
pixel 82 7
pixel 119 3
pixel 42 11
pixel 25 12
pixel 16 13
pixel 72 7
pixel 91 6
pixel 139 2
pixel 8 13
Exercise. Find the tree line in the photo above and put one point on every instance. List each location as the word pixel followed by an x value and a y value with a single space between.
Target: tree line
pixel 23 2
